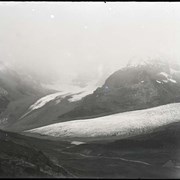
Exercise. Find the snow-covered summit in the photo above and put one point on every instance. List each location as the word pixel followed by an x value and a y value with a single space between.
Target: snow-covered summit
pixel 137 62
pixel 157 62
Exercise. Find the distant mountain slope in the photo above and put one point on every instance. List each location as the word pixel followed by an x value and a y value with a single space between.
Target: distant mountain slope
pixel 117 126
pixel 18 91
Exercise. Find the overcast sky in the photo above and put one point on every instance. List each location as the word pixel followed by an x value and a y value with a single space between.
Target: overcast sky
pixel 66 38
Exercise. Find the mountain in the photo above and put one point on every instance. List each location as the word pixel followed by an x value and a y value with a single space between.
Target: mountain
pixel 139 85
pixel 126 128
pixel 136 86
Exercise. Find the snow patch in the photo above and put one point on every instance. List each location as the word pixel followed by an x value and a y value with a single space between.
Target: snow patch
pixel 158 81
pixel 166 81
pixel 164 74
pixel 77 142
pixel 168 77
pixel 172 80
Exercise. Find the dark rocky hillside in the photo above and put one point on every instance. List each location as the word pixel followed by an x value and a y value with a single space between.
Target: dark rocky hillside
pixel 20 159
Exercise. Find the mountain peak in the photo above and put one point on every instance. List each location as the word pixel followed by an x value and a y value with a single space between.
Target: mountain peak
pixel 137 62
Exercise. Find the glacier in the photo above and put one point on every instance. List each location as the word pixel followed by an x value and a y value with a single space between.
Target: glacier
pixel 120 125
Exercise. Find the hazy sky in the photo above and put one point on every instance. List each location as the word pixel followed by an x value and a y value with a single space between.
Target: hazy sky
pixel 66 38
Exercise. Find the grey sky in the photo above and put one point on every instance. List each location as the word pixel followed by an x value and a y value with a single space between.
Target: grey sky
pixel 65 38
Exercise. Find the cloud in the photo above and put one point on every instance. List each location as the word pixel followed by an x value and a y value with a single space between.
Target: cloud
pixel 60 45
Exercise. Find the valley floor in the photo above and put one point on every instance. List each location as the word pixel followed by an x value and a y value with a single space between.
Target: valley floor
pixel 154 155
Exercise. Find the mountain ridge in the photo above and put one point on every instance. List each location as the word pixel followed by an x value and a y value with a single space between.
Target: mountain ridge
pixel 131 88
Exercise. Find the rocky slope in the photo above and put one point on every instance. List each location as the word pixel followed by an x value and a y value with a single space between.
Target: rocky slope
pixel 20 159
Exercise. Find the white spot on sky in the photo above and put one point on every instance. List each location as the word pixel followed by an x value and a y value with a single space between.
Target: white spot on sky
pixel 33 9
pixel 110 9
pixel 52 16
pixel 85 27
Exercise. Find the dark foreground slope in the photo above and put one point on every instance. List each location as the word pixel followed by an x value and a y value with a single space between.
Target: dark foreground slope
pixel 18 158
pixel 18 91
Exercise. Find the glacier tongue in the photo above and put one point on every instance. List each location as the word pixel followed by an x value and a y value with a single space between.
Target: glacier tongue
pixel 122 124
pixel 75 94
pixel 41 102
